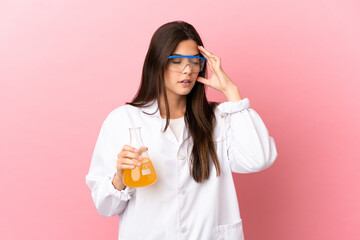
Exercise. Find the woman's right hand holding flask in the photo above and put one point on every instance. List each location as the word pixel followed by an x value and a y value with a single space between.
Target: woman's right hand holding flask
pixel 128 158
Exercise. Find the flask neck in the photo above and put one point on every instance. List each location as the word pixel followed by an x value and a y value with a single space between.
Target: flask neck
pixel 135 137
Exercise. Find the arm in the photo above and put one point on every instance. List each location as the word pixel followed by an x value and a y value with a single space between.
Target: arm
pixel 249 146
pixel 107 199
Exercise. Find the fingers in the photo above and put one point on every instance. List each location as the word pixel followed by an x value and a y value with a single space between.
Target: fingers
pixel 131 149
pixel 203 50
pixel 203 80
pixel 127 163
pixel 129 157
pixel 143 149
pixel 211 58
pixel 208 54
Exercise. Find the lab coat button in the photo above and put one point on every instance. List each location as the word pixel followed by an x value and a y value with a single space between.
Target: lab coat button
pixel 184 229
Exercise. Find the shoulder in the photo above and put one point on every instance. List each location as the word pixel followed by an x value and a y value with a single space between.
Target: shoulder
pixel 121 113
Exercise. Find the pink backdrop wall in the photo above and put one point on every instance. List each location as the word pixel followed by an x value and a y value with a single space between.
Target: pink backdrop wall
pixel 64 65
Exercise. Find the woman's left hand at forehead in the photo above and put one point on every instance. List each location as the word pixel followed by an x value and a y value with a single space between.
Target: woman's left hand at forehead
pixel 219 80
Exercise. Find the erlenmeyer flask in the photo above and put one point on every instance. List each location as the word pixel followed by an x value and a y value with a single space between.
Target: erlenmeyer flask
pixel 145 174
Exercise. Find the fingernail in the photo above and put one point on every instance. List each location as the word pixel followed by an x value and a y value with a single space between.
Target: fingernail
pixel 132 166
pixel 139 164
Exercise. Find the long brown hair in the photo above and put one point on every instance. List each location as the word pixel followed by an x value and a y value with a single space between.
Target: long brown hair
pixel 199 115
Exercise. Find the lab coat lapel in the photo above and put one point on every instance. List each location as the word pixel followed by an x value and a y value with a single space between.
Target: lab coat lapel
pixel 171 135
pixel 151 108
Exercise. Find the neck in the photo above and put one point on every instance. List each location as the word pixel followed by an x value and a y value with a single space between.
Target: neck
pixel 177 106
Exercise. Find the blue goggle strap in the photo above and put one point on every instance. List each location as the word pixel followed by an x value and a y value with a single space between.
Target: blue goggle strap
pixel 188 56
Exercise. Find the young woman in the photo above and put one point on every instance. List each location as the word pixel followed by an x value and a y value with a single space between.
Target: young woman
pixel 193 144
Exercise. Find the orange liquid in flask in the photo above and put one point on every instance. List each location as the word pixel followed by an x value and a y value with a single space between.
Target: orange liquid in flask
pixel 139 176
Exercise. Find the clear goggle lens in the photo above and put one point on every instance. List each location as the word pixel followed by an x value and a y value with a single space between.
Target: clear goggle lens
pixel 178 63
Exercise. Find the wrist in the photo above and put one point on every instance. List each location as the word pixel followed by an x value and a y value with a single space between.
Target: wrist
pixel 118 183
pixel 232 94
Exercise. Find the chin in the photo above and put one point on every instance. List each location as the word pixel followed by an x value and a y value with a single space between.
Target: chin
pixel 186 92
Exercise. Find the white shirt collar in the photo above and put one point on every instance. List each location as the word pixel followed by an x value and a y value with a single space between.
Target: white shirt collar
pixel 152 110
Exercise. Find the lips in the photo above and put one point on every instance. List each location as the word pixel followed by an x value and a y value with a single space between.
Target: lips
pixel 185 81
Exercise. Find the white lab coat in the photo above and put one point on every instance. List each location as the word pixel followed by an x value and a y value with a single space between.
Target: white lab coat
pixel 177 207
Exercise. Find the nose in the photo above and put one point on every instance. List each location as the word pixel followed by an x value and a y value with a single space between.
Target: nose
pixel 187 68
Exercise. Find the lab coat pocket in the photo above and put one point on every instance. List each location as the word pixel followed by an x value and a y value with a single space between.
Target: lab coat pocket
pixel 232 231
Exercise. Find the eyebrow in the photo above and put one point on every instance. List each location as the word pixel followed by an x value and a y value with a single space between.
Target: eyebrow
pixel 187 55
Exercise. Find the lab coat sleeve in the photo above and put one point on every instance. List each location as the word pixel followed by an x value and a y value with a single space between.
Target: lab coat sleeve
pixel 107 199
pixel 249 146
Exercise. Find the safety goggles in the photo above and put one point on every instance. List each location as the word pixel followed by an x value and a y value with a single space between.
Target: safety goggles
pixel 178 63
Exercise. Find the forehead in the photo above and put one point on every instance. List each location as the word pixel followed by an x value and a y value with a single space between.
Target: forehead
pixel 186 47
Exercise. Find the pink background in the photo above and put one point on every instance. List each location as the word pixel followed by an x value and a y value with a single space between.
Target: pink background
pixel 64 65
